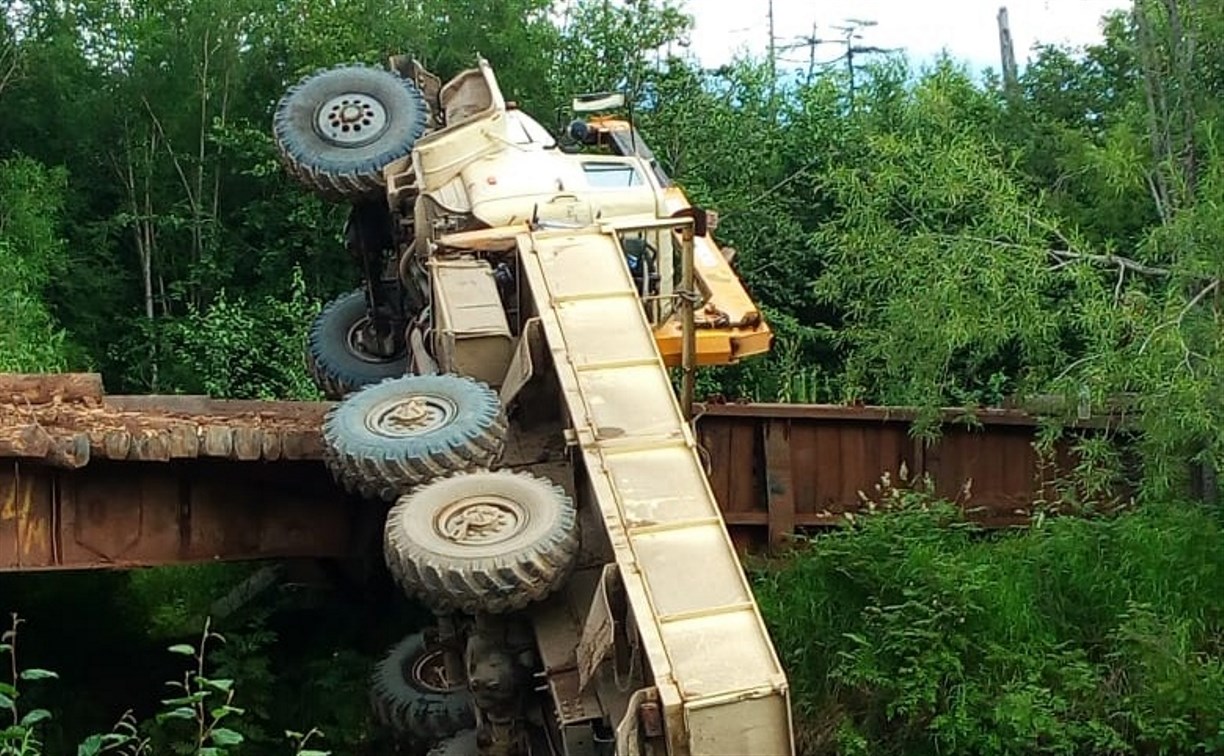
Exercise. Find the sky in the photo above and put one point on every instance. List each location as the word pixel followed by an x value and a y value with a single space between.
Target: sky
pixel 967 28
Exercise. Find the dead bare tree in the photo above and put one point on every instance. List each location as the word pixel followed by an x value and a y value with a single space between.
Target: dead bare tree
pixel 1167 52
pixel 10 61
pixel 1167 37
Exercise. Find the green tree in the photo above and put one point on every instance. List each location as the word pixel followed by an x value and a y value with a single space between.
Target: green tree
pixel 32 254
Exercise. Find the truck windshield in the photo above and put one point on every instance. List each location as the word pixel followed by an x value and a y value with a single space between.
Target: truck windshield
pixel 607 175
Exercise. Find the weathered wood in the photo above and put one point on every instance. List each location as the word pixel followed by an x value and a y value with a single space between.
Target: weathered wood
pixel 152 447
pixel 70 451
pixel 248 443
pixel 47 388
pixel 218 441
pixel 920 463
pixel 67 450
pixel 300 445
pixel 24 441
pixel 270 446
pixel 184 442
pixel 116 444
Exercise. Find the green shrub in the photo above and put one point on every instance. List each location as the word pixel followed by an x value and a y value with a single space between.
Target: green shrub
pixel 909 632
pixel 198 716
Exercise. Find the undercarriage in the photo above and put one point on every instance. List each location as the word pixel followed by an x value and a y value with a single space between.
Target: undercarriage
pixel 501 385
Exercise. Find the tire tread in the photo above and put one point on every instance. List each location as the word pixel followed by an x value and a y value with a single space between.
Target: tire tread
pixel 360 181
pixel 504 583
pixel 386 470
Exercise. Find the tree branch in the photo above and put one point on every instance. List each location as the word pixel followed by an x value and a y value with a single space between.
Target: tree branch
pixel 1124 263
pixel 1176 323
pixel 1066 255
pixel 192 198
pixel 10 64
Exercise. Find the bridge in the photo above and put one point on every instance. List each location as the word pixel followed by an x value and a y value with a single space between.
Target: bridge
pixel 89 480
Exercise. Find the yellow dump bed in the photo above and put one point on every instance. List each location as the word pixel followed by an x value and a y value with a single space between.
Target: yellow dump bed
pixel 710 656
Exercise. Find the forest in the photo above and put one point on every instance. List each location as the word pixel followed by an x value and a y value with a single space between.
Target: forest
pixel 925 236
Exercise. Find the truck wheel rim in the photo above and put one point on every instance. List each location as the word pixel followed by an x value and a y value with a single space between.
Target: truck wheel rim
pixel 406 417
pixel 351 120
pixel 428 672
pixel 354 346
pixel 481 520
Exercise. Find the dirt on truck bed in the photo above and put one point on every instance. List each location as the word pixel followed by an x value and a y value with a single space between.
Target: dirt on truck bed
pixel 66 419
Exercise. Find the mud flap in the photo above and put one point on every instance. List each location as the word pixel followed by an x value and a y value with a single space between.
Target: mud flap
pixel 420 363
pixel 599 631
pixel 522 364
pixel 639 724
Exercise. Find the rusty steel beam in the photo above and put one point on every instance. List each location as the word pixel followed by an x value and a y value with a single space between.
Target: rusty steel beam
pixel 136 514
pixel 95 481
pixel 775 469
pixel 984 416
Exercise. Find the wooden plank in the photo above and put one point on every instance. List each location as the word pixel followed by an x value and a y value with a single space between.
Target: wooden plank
pixel 46 388
pixel 220 410
pixel 218 441
pixel 69 450
pixel 248 443
pixel 758 521
pixel 779 484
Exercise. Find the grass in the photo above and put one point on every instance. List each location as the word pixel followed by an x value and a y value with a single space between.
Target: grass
pixel 911 633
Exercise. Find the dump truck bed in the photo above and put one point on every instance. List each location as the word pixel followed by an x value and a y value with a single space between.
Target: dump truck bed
pixel 719 680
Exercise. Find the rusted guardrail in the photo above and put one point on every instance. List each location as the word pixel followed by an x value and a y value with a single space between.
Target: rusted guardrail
pixel 778 468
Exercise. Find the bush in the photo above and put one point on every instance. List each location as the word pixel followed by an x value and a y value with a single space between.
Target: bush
pixel 198 717
pixel 910 632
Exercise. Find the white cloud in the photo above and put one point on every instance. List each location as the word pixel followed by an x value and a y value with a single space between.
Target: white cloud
pixel 967 28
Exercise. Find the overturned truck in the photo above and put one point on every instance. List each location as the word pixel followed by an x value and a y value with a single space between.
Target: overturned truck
pixel 503 384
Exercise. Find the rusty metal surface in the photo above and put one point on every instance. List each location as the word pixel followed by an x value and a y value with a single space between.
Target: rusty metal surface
pixel 778 468
pixel 133 514
pixel 94 481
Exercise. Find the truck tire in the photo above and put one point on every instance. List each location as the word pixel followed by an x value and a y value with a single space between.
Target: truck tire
pixel 337 128
pixel 338 365
pixel 411 695
pixel 463 744
pixel 487 541
pixel 387 438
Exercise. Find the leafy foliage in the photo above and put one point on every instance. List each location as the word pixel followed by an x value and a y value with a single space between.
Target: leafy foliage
pixel 242 350
pixel 910 633
pixel 32 254
pixel 199 718
pixel 927 239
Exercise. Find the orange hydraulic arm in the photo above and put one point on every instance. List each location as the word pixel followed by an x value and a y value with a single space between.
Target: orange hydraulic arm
pixel 729 324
